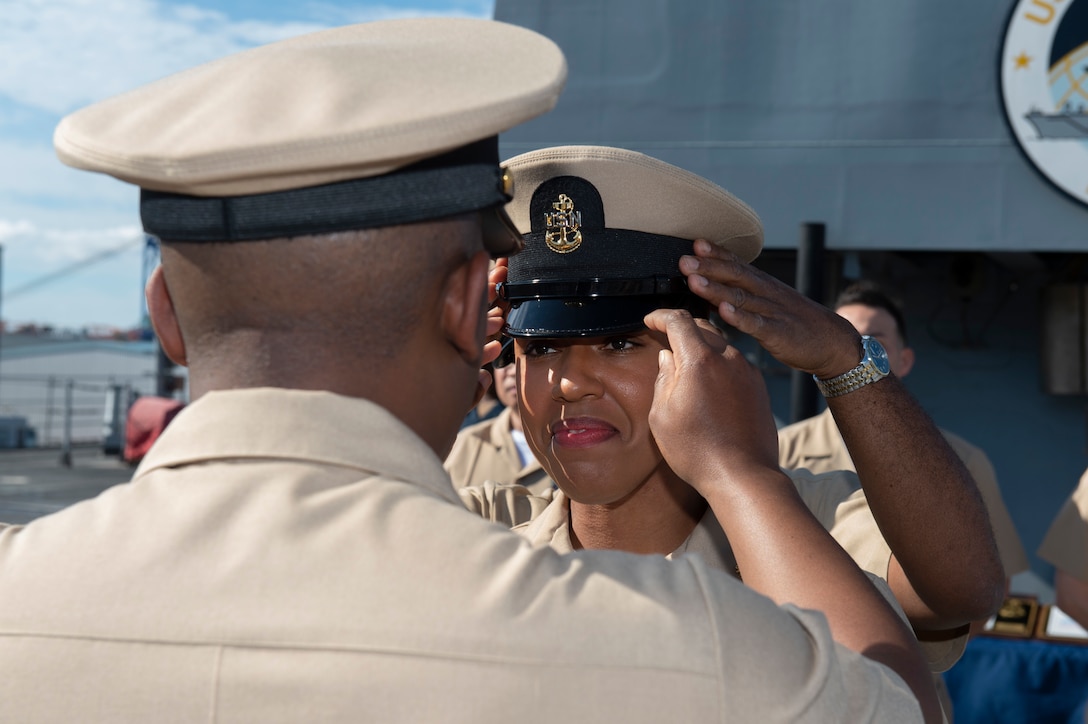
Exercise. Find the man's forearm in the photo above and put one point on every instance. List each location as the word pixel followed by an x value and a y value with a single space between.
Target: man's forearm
pixel 784 553
pixel 925 502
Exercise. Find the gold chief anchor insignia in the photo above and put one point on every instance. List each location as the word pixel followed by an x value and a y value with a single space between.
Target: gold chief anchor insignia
pixel 563 234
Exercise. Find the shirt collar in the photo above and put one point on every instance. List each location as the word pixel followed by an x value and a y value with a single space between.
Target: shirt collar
pixel 709 540
pixel 552 528
pixel 321 427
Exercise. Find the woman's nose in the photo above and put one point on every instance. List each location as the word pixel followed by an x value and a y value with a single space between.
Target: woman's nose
pixel 575 376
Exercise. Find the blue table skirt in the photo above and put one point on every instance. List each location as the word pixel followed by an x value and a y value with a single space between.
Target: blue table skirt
pixel 1020 681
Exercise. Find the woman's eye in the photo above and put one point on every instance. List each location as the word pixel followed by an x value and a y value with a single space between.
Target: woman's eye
pixel 536 349
pixel 620 344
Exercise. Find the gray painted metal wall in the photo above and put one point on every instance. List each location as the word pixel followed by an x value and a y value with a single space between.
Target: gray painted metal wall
pixel 883 120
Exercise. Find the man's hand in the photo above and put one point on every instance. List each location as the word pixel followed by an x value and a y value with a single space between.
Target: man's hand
pixel 711 414
pixel 797 331
pixel 496 320
pixel 496 311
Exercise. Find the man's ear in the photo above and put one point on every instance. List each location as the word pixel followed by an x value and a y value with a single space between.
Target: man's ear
pixel 464 308
pixel 160 308
pixel 906 362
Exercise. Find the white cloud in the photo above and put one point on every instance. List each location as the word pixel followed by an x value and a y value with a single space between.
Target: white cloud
pixel 34 250
pixel 71 277
pixel 14 230
pixel 73 52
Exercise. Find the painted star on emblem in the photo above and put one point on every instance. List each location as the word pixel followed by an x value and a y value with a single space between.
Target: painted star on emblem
pixel 1022 60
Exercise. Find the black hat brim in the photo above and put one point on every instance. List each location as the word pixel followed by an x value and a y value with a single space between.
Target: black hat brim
pixel 588 317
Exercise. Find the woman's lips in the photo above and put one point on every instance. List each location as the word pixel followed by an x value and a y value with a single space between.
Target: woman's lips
pixel 580 432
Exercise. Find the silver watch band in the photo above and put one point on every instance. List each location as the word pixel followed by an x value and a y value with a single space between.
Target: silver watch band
pixel 849 381
pixel 873 366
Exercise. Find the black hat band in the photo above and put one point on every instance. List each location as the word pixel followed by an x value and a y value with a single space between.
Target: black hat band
pixel 466 179
pixel 604 253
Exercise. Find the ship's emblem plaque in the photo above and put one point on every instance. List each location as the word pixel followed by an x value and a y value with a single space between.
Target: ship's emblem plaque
pixel 1044 87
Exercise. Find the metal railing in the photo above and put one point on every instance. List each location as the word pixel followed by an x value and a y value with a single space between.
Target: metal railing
pixel 55 411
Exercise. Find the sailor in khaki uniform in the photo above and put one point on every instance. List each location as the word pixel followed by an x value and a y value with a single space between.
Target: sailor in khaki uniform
pixel 487 451
pixel 816 444
pixel 607 234
pixel 562 287
pixel 495 449
pixel 291 548
pixel 1066 547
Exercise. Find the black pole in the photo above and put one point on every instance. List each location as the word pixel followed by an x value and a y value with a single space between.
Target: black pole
pixel 164 373
pixel 804 397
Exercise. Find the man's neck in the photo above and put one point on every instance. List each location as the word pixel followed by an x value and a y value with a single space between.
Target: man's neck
pixel 429 407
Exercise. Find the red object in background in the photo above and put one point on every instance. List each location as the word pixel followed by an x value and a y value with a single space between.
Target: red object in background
pixel 147 418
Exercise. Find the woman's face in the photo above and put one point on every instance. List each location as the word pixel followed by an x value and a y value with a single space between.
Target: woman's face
pixel 585 406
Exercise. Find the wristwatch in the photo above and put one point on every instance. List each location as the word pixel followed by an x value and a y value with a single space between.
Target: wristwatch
pixel 873 366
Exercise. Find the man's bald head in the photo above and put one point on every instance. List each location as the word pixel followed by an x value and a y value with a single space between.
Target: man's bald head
pixel 279 309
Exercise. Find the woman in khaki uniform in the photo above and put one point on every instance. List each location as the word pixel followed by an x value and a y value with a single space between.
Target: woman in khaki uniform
pixel 574 281
pixel 578 337
pixel 597 313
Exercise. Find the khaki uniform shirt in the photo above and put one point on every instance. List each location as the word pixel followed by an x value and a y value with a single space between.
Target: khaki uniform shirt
pixel 287 556
pixel 486 452
pixel 834 500
pixel 1066 542
pixel 815 444
pixel 821 495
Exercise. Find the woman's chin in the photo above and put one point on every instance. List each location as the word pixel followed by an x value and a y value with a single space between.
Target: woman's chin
pixel 592 490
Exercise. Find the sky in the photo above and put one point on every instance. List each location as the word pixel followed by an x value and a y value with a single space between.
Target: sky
pixel 72 254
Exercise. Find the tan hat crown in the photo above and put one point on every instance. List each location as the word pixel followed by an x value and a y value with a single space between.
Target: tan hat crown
pixel 640 193
pixel 604 232
pixel 351 102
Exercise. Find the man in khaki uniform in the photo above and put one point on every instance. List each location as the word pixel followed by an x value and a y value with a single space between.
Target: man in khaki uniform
pixel 1066 547
pixel 817 445
pixel 291 548
pixel 495 449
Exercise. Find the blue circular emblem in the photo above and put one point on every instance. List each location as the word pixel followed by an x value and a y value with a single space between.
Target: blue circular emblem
pixel 1044 88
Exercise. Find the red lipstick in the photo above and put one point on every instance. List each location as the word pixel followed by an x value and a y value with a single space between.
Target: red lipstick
pixel 582 432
